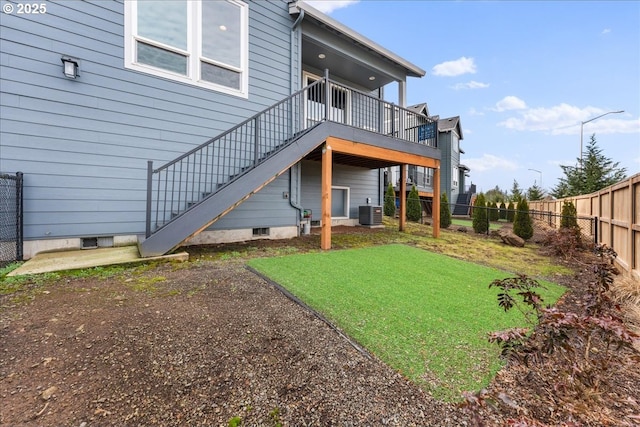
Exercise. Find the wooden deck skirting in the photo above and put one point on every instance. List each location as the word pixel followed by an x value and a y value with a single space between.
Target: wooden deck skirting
pixel 403 159
pixel 617 209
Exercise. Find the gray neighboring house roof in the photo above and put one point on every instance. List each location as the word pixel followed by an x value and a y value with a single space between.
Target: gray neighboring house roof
pixel 420 109
pixel 450 124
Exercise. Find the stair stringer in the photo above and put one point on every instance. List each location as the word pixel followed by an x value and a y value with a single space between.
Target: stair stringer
pixel 215 206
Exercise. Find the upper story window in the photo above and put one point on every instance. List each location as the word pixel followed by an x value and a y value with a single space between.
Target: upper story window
pixel 198 42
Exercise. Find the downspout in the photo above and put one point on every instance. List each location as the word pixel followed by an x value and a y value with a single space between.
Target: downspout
pixel 295 204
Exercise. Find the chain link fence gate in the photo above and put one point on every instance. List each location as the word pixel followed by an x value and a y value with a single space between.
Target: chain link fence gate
pixel 10 218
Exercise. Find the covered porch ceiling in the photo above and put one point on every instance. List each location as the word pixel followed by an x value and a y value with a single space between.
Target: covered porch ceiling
pixel 328 44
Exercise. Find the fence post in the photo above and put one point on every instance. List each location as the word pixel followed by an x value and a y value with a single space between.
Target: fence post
pixel 595 230
pixel 149 194
pixel 20 216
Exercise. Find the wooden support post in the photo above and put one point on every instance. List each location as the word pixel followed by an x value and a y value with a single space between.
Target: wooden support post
pixel 435 207
pixel 403 198
pixel 325 234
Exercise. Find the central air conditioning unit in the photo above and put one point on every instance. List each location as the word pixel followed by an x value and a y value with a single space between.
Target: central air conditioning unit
pixel 370 215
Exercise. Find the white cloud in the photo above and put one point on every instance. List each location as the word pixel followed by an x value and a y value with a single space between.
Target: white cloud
pixel 458 67
pixel 474 112
pixel 510 103
pixel 565 119
pixel 470 85
pixel 490 162
pixel 328 6
pixel 606 31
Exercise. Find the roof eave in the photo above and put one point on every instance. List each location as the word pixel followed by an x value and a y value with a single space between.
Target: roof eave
pixel 412 69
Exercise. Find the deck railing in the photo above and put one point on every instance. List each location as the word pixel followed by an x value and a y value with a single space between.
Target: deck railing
pixel 177 186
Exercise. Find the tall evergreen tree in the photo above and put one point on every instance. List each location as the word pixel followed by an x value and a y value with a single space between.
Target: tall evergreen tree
pixel 390 201
pixel 445 211
pixel 480 218
pixel 516 192
pixel 593 173
pixel 535 192
pixel 414 211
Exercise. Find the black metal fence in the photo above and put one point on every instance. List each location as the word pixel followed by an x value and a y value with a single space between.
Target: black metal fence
pixel 10 218
pixel 496 218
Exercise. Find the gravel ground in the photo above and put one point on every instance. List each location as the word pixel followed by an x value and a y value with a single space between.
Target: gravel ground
pixel 192 346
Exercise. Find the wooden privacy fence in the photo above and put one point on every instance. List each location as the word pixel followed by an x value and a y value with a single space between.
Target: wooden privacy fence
pixel 617 212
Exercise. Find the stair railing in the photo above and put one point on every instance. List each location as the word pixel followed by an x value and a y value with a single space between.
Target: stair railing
pixel 177 186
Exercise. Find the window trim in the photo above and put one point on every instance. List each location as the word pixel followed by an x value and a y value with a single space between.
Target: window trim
pixel 194 49
pixel 347 207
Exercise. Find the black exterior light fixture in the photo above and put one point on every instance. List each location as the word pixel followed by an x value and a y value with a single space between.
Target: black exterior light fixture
pixel 70 67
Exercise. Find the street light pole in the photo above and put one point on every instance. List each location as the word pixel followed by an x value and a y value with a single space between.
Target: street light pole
pixel 536 170
pixel 590 120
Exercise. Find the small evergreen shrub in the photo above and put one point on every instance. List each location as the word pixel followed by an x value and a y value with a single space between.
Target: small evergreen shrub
pixel 480 219
pixel 510 214
pixel 390 202
pixel 494 214
pixel 502 213
pixel 414 211
pixel 445 211
pixel 522 222
pixel 569 215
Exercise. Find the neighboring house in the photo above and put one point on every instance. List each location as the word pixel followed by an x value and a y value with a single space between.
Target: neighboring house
pixel 454 174
pixel 186 122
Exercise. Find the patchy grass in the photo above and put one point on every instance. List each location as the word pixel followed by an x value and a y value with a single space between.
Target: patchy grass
pixel 469 223
pixel 425 314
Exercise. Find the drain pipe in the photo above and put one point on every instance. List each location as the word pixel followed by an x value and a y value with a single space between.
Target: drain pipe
pixel 294 204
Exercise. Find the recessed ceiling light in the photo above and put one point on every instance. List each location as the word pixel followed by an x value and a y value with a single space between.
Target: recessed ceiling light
pixel 372 78
pixel 322 56
pixel 223 27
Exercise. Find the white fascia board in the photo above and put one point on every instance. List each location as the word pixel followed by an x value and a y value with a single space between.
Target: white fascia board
pixel 297 6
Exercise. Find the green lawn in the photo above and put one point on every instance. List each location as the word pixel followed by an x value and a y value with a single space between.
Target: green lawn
pixel 425 314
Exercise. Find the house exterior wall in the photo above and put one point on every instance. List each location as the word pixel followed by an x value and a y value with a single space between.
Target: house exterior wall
pixel 362 183
pixel 83 144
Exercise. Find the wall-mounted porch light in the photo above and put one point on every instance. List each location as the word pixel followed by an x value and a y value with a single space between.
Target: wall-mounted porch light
pixel 70 67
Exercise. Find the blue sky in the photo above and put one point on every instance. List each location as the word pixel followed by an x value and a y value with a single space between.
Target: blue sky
pixel 522 76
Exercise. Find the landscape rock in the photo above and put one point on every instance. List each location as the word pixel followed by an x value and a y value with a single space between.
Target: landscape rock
pixel 48 393
pixel 510 238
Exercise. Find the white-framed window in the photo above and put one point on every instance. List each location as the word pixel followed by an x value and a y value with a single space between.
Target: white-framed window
pixel 339 202
pixel 454 175
pixel 200 42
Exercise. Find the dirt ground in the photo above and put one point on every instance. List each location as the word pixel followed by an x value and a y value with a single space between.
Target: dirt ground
pixel 209 343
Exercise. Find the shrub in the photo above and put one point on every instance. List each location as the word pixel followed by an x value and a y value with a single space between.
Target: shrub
pixel 445 212
pixel 565 242
pixel 502 213
pixel 511 212
pixel 480 220
pixel 522 222
pixel 414 211
pixel 494 214
pixel 390 202
pixel 569 215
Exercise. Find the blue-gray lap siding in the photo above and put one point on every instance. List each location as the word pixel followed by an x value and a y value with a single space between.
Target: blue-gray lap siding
pixel 83 144
pixel 363 183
